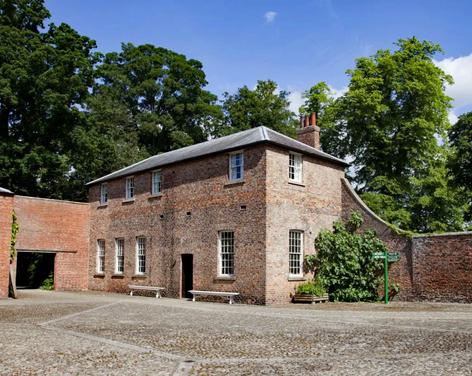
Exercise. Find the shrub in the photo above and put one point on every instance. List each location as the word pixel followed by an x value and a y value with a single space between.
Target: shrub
pixel 344 262
pixel 48 283
pixel 313 287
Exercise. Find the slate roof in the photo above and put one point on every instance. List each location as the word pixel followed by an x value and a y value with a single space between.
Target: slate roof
pixel 232 142
pixel 4 190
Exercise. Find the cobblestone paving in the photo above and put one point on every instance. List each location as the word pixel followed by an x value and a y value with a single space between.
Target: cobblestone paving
pixel 111 334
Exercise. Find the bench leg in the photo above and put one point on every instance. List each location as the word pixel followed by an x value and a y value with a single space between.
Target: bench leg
pixel 131 293
pixel 158 295
pixel 193 298
pixel 230 300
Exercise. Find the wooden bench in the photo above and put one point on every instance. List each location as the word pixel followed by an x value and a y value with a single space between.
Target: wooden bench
pixel 224 294
pixel 146 288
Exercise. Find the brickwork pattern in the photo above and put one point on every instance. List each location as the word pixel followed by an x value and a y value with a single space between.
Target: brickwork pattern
pixel 442 266
pixel 197 202
pixel 56 226
pixel 6 208
pixel 310 206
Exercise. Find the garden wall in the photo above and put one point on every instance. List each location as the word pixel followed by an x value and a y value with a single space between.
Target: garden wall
pixel 431 267
pixel 6 208
pixel 61 227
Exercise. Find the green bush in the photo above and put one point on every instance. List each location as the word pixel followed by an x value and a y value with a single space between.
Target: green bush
pixel 313 287
pixel 48 283
pixel 344 262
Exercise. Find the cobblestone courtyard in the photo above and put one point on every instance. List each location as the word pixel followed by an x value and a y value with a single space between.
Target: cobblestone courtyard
pixel 93 333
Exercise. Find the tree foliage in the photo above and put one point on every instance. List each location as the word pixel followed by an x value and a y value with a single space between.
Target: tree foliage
pixel 460 161
pixel 265 105
pixel 388 123
pixel 344 262
pixel 45 74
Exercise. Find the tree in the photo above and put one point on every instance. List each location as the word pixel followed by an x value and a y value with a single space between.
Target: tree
pixel 45 74
pixel 460 161
pixel 160 96
pixel 318 99
pixel 265 105
pixel 388 123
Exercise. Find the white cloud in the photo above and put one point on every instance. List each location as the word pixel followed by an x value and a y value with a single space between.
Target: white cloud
pixel 296 97
pixel 296 100
pixel 270 16
pixel 452 117
pixel 460 68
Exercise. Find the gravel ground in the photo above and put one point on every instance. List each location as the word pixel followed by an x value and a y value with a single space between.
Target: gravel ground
pixel 97 333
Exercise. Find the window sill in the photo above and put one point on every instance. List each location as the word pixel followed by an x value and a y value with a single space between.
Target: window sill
pixel 99 275
pixel 139 276
pixel 296 278
pixel 154 196
pixel 296 183
pixel 117 276
pixel 222 278
pixel 234 182
pixel 128 201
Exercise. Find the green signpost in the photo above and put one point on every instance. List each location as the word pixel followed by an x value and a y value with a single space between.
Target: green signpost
pixel 387 257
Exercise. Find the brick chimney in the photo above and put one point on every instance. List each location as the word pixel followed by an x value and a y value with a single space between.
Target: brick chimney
pixel 309 132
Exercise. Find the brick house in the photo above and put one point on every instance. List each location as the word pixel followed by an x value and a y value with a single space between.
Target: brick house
pixel 231 214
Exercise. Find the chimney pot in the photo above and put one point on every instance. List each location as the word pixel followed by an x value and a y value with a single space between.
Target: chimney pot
pixel 307 121
pixel 313 119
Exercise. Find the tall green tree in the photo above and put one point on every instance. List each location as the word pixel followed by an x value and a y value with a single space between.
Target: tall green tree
pixel 388 124
pixel 45 74
pixel 158 94
pixel 318 99
pixel 460 162
pixel 265 105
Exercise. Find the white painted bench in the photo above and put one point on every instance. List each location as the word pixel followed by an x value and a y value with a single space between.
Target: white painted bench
pixel 146 288
pixel 229 295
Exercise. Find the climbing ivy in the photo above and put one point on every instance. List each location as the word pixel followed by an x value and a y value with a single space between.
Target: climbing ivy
pixel 15 228
pixel 344 262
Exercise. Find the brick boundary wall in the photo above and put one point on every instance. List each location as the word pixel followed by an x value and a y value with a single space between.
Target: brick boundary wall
pixel 431 267
pixel 57 226
pixel 442 267
pixel 6 209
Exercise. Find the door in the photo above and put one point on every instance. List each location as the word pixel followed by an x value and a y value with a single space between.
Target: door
pixel 187 275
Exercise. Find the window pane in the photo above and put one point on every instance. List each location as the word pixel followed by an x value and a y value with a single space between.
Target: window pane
pixel 295 250
pixel 100 256
pixel 226 253
pixel 120 245
pixel 236 164
pixel 156 182
pixel 141 255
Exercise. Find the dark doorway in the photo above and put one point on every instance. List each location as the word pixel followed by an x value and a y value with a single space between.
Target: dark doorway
pixel 35 270
pixel 187 275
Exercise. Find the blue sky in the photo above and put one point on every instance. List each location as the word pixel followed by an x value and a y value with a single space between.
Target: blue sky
pixel 296 43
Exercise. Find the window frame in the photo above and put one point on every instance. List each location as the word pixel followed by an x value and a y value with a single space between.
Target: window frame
pixel 220 255
pixel 103 194
pixel 117 260
pixel 291 253
pixel 137 260
pixel 100 257
pixel 129 188
pixel 295 156
pixel 159 191
pixel 230 166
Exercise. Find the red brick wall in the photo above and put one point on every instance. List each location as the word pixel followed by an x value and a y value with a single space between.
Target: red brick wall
pixel 431 267
pixel 6 208
pixel 200 187
pixel 61 227
pixel 311 206
pixel 442 266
